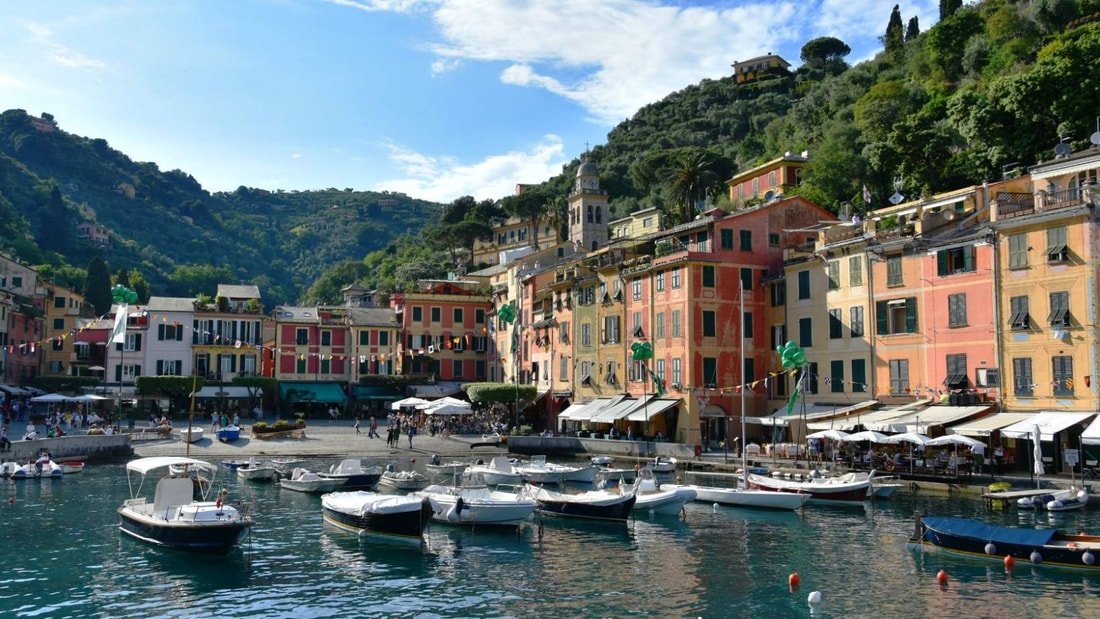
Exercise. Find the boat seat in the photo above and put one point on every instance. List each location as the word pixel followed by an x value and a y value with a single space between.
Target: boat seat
pixel 172 492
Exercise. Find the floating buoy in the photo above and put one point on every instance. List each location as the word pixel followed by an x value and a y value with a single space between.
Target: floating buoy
pixel 990 549
pixel 941 577
pixel 11 501
pixel 1088 558
pixel 814 597
pixel 1036 557
pixel 794 580
pixel 1009 561
pixel 714 507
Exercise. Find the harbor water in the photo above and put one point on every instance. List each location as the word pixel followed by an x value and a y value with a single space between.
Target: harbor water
pixel 64 557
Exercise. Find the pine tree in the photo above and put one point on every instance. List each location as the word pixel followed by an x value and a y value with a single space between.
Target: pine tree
pixel 97 288
pixel 894 40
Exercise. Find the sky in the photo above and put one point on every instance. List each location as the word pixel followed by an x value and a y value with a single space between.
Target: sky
pixel 437 99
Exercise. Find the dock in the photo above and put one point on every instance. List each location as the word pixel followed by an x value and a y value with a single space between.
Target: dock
pixel 1005 497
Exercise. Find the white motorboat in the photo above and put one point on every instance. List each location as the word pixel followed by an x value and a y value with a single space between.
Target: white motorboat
pixel 655 499
pixel 71 467
pixel 662 464
pixel 742 497
pixel 191 435
pixel 304 480
pixel 369 513
pixel 609 475
pixel 284 466
pixel 475 503
pixel 885 487
pixel 538 471
pixel 353 475
pixel 42 467
pixel 255 471
pixel 405 481
pixel 590 505
pixel 175 519
pixel 1063 499
pixel 498 471
pixel 848 489
pixel 579 474
pixel 440 470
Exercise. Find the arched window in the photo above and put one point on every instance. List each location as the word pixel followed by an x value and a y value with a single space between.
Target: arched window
pixel 589 213
pixel 599 217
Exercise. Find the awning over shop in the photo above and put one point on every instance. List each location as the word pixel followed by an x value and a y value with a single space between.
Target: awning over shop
pixel 226 393
pixel 14 391
pixel 436 390
pixel 1050 423
pixel 920 421
pixel 567 414
pixel 614 412
pixel 585 412
pixel 814 412
pixel 712 411
pixel 375 392
pixel 880 421
pixel 986 425
pixel 1091 435
pixel 652 408
pixel 328 393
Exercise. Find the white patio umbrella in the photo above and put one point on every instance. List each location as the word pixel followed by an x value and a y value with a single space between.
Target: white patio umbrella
pixel 444 401
pixel 956 440
pixel 407 402
pixel 1037 455
pixel 912 438
pixel 50 397
pixel 832 435
pixel 867 435
pixel 447 410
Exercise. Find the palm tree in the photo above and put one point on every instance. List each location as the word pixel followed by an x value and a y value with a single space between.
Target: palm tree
pixel 690 175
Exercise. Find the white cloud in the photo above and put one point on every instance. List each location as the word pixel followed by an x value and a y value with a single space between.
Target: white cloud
pixel 67 57
pixel 445 65
pixel 443 178
pixel 396 6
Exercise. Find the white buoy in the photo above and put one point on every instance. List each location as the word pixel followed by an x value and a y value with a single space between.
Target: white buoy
pixel 714 507
pixel 814 597
pixel 990 549
pixel 1088 558
pixel 1036 557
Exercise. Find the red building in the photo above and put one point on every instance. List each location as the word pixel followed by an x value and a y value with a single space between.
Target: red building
pixel 443 330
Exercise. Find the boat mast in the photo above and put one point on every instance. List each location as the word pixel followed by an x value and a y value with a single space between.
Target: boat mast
pixel 744 442
pixel 191 414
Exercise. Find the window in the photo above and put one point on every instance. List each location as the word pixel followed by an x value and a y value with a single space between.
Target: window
pixel 956 372
pixel 456 368
pixel 708 276
pixel 1021 376
pixel 746 325
pixel 661 369
pixel 727 239
pixel 660 280
pixel 58 344
pixel 709 327
pixel 458 317
pixel 773 239
pixel 833 270
pixel 479 369
pixel 836 376
pixel 326 338
pixel 563 332
pixel 326 365
pixel 806 332
pixel 17 282
pixel 855 320
pixel 955 260
pixel 383 338
pixel 803 285
pixel 677 372
pixel 300 365
pixel 479 316
pixel 636 324
pixel 746 240
pixel 855 271
pixel 899 376
pixel 1062 373
pixel 809 381
pixel 746 279
pixel 1059 309
pixel 676 324
pixel 748 375
pixel 59 323
pixel 586 334
pixel 675 278
pixel 563 368
pixel 1017 251
pixel 859 375
pixel 1056 245
pixel 896 316
pixel 956 310
pixel 636 289
pixel 893 271
pixel 364 337
pixel 836 324
pixel 437 314
pixel 779 293
pixel 610 331
pixel 169 368
pixel 418 314
pixel 660 327
pixel 59 302
pixel 1019 318
pixel 778 335
pixel 301 337
pixel 710 372
pixel 172 331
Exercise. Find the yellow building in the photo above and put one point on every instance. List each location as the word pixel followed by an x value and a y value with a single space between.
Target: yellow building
pixel 66 312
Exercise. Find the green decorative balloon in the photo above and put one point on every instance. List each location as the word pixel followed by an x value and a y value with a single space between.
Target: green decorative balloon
pixel 641 351
pixel 507 313
pixel 791 355
pixel 121 294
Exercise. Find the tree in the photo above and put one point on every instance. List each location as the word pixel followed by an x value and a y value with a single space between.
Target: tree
pixel 97 287
pixel 948 8
pixel 912 31
pixel 529 206
pixel 57 225
pixel 894 41
pixel 691 175
pixel 819 53
pixel 139 284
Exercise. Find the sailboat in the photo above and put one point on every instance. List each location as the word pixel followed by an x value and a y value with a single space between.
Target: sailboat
pixel 745 496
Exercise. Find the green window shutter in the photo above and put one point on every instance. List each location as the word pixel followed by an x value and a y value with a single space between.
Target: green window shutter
pixel 941 263
pixel 910 314
pixel 160 336
pixel 859 375
pixel 968 259
pixel 882 323
pixel 836 378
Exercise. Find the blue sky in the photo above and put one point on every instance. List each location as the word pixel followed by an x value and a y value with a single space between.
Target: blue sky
pixel 434 98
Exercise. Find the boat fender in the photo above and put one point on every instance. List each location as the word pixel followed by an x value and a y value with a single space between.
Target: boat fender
pixel 1088 558
pixel 460 504
pixel 1010 561
pixel 1055 505
pixel 1036 557
pixel 814 597
pixel 990 548
pixel 452 514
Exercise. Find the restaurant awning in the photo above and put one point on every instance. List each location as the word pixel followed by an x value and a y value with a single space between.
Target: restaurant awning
pixel 210 392
pixel 1091 435
pixel 567 414
pixel 651 409
pixel 614 412
pixel 879 421
pixel 586 411
pixel 986 425
pixel 14 391
pixel 920 421
pixel 328 393
pixel 375 392
pixel 1050 423
pixel 813 412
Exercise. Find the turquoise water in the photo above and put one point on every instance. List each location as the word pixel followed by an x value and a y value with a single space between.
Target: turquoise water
pixel 64 557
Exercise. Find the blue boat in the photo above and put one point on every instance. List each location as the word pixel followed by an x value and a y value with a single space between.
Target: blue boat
pixel 228 434
pixel 972 538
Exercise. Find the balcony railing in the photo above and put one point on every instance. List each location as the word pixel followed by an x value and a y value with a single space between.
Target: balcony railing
pixel 1062 198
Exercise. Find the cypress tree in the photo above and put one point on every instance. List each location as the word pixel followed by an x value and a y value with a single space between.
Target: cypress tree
pixel 894 40
pixel 912 30
pixel 97 288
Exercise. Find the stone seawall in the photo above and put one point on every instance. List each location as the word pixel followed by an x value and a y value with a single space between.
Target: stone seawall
pixel 97 448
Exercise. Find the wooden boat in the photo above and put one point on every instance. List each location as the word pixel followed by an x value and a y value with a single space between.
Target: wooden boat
pixel 591 505
pixel 972 538
pixel 472 502
pixel 303 480
pixel 175 519
pixel 191 435
pixel 71 466
pixel 228 434
pixel 850 489
pixel 368 513
pixel 405 481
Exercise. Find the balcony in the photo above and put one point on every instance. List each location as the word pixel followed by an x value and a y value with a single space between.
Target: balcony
pixel 670 247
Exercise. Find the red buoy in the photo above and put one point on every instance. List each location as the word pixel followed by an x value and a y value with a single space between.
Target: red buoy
pixel 1009 561
pixel 941 577
pixel 794 580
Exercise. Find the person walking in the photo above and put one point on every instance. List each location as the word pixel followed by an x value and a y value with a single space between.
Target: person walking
pixel 411 432
pixel 373 429
pixel 357 424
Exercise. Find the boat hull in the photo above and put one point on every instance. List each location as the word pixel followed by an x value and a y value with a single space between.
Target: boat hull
pixel 848 493
pixel 229 434
pixel 256 473
pixel 471 510
pixel 970 538
pixel 750 498
pixel 406 521
pixel 664 502
pixel 613 509
pixel 207 537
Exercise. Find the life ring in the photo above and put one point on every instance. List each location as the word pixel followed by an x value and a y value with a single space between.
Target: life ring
pixel 891 465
